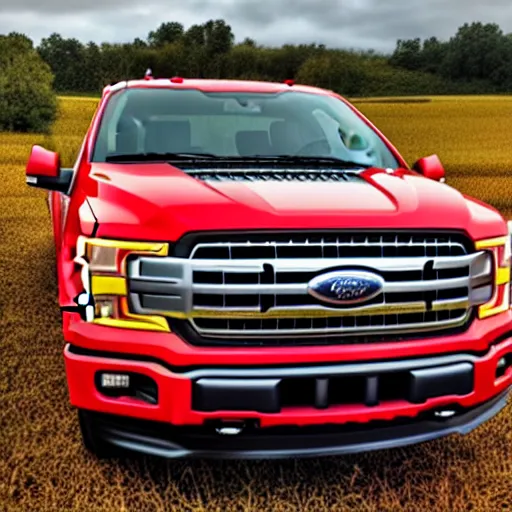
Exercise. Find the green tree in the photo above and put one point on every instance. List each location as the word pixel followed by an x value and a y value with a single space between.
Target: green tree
pixel 407 54
pixel 93 72
pixel 67 60
pixel 170 61
pixel 166 33
pixel 19 42
pixel 433 55
pixel 215 36
pixel 248 41
pixel 195 36
pixel 478 59
pixel 244 60
pixel 139 43
pixel 27 100
pixel 340 71
pixel 219 37
pixel 476 52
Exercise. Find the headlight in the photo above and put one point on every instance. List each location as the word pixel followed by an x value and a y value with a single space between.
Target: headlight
pixel 501 250
pixel 103 273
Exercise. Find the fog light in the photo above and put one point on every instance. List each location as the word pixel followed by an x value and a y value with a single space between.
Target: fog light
pixel 503 365
pixel 105 308
pixel 115 380
pixel 445 414
pixel 228 431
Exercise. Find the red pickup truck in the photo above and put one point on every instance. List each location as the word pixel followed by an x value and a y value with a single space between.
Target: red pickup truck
pixel 251 270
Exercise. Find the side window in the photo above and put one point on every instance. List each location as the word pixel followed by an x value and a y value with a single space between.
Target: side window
pixel 116 127
pixel 77 162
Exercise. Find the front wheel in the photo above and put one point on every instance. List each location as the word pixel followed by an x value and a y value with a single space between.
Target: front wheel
pixel 91 441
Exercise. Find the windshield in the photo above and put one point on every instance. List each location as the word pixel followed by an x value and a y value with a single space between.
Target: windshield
pixel 244 125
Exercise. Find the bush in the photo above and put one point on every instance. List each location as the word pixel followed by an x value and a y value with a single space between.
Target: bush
pixel 338 70
pixel 27 100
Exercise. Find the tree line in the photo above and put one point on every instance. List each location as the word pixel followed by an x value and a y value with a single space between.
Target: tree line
pixel 477 59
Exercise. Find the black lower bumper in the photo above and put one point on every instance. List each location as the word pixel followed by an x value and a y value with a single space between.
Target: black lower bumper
pixel 271 443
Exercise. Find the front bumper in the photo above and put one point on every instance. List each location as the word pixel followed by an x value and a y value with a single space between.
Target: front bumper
pixel 163 440
pixel 182 421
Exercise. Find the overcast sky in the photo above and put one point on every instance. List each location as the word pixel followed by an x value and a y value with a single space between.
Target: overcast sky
pixel 341 23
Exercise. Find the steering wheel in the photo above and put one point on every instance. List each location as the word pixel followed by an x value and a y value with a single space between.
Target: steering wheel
pixel 309 148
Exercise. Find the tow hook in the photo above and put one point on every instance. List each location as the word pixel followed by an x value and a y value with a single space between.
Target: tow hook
pixel 230 428
pixel 445 414
pixel 228 431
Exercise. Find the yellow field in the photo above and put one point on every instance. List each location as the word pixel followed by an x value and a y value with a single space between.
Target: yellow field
pixel 471 135
pixel 42 464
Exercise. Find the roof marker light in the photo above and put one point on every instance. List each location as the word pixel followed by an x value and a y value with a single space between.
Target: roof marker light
pixel 289 82
pixel 148 75
pixel 177 80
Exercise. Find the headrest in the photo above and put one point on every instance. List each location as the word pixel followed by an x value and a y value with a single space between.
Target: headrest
pixel 250 143
pixel 285 137
pixel 168 137
pixel 126 136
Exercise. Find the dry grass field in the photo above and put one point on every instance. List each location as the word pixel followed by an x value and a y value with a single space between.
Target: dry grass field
pixel 42 463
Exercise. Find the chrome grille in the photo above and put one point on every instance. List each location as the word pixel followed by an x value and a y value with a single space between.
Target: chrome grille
pixel 332 246
pixel 256 287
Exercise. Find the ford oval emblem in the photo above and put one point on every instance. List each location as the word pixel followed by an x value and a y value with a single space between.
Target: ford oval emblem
pixel 345 287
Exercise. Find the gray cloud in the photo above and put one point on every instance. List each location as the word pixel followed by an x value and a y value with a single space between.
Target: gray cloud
pixel 341 23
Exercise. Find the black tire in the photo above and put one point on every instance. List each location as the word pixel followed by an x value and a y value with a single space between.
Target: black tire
pixel 92 443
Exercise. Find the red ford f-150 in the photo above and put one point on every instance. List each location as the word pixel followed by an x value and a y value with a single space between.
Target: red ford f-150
pixel 252 270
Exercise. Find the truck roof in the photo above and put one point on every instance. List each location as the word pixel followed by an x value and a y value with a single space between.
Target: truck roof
pixel 211 85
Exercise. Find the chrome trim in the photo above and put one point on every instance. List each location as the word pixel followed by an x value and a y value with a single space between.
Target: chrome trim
pixel 323 245
pixel 165 286
pixel 335 332
pixel 325 311
pixel 302 288
pixel 256 266
pixel 332 370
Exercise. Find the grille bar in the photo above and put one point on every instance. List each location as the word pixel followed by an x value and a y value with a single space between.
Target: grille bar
pixel 344 245
pixel 259 289
pixel 325 312
pixel 397 327
pixel 306 265
pixel 169 286
pixel 302 288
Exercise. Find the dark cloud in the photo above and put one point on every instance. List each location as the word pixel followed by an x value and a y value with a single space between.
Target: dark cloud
pixel 342 23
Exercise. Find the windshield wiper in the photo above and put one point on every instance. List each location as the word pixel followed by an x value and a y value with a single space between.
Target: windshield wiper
pixel 310 160
pixel 201 157
pixel 297 160
pixel 159 157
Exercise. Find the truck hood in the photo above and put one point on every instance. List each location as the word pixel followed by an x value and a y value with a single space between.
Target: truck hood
pixel 161 202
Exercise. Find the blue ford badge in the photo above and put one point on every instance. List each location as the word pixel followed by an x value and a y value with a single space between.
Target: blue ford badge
pixel 345 287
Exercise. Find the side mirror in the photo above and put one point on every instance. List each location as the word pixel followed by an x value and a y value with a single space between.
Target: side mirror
pixel 43 171
pixel 430 167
